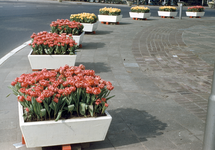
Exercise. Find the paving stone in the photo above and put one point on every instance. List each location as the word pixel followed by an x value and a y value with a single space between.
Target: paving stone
pixel 159 143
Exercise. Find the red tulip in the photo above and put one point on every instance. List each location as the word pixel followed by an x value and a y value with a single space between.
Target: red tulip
pixel 27 109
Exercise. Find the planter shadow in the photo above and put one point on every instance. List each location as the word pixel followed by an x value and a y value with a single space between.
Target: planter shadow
pixel 124 23
pixel 130 126
pixel 92 45
pixel 98 67
pixel 101 32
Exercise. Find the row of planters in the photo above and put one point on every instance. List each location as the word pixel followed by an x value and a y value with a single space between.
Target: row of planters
pixel 165 11
pixel 62 104
pixel 54 49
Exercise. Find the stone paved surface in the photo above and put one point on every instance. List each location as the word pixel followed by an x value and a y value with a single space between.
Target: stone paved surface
pixel 180 67
pixel 162 76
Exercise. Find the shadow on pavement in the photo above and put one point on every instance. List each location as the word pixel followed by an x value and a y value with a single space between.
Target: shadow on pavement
pixel 128 126
pixel 92 45
pixel 124 23
pixel 100 32
pixel 98 67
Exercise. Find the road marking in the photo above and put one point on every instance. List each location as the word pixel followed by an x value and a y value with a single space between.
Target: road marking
pixel 41 6
pixel 19 6
pixel 62 6
pixel 1 6
pixel 11 53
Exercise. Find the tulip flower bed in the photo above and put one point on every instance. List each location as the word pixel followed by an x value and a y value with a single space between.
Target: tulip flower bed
pixel 84 18
pixel 167 8
pixel 89 21
pixel 62 93
pixel 109 11
pixel 52 43
pixel 66 26
pixel 139 9
pixel 195 9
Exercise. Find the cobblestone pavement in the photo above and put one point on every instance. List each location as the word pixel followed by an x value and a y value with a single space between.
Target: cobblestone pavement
pixel 179 58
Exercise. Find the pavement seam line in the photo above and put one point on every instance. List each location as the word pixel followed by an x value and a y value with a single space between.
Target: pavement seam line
pixel 12 52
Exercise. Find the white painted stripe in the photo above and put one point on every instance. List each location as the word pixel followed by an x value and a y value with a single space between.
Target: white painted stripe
pixel 11 53
pixel 19 6
pixel 41 6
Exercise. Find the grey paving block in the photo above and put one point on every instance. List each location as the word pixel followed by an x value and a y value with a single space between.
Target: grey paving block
pixel 5 90
pixel 159 143
pixel 101 145
pixel 118 140
pixel 189 146
pixel 9 146
pixel 12 75
pixel 131 65
pixel 9 123
pixel 146 84
pixel 180 137
pixel 8 135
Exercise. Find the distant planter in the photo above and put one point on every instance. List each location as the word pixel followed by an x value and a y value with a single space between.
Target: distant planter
pixel 88 20
pixel 195 11
pixel 79 39
pixel 167 14
pixel 51 51
pixel 50 61
pixel 109 15
pixel 90 27
pixel 109 18
pixel 195 14
pixel 139 15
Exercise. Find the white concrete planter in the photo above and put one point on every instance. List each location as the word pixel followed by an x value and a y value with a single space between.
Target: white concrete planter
pixel 69 131
pixel 90 27
pixel 109 18
pixel 78 38
pixel 195 14
pixel 139 15
pixel 167 13
pixel 50 61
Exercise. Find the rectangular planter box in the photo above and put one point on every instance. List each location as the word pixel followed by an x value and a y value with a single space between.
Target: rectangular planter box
pixel 90 27
pixel 167 13
pixel 109 18
pixel 139 15
pixel 50 61
pixel 79 38
pixel 69 131
pixel 195 14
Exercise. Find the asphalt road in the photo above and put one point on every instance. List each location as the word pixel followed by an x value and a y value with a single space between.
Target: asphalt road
pixel 18 20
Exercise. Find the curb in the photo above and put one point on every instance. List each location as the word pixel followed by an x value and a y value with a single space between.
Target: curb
pixel 12 52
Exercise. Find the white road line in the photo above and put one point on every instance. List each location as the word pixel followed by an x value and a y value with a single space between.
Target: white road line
pixel 11 53
pixel 41 6
pixel 19 6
